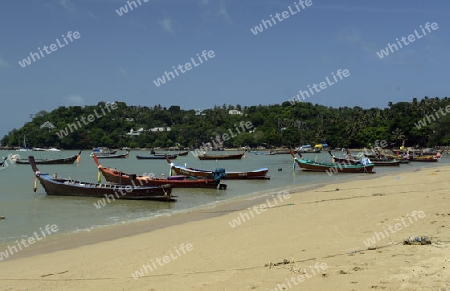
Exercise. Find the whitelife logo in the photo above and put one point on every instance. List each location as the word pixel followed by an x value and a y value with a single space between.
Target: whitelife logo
pixel 225 137
pixel 284 14
pixel 122 10
pixel 90 118
pixel 11 250
pixel 423 122
pixel 188 66
pixel 161 261
pixel 345 73
pixel 411 38
pixel 393 229
pixel 243 217
pixel 53 48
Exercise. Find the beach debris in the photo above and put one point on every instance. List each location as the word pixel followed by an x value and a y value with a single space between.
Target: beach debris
pixel 284 262
pixel 378 194
pixel 2 217
pixel 418 240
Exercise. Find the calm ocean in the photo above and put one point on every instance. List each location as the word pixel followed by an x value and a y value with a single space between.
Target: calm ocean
pixel 26 211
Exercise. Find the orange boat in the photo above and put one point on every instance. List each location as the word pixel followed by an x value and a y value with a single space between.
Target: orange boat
pixel 118 177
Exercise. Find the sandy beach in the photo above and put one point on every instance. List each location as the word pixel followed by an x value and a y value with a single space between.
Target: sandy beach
pixel 344 236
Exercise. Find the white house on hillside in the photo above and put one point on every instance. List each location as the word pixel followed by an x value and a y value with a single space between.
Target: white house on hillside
pixel 233 112
pixel 137 132
pixel 155 129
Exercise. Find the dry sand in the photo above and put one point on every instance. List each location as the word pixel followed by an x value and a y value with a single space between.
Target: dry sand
pixel 324 226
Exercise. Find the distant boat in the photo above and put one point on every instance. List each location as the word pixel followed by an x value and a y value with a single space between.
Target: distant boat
pixel 3 161
pixel 221 157
pixel 68 187
pixel 45 150
pixel 103 151
pixel 185 153
pixel 280 152
pixel 376 161
pixel 423 159
pixel 52 150
pixel 25 148
pixel 163 157
pixel 259 174
pixel 307 148
pixel 111 156
pixel 38 149
pixel 68 160
pixel 264 153
pixel 313 166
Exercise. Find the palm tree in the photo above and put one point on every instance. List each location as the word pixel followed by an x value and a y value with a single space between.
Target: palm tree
pixel 397 135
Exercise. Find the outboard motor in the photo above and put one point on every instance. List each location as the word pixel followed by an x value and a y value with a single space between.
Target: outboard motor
pixel 218 174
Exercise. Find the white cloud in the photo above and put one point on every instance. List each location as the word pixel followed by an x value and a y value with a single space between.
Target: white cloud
pixel 67 5
pixel 123 72
pixel 74 100
pixel 3 63
pixel 223 11
pixel 166 24
pixel 344 8
pixel 350 35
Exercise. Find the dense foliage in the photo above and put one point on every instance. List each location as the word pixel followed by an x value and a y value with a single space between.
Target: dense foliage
pixel 273 125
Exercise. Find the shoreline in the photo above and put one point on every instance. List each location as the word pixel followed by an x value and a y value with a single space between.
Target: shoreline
pixel 103 233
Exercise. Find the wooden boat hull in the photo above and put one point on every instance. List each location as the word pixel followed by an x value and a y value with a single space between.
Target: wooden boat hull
pixel 280 152
pixel 116 156
pixel 221 157
pixel 425 160
pixel 259 174
pixel 173 157
pixel 378 163
pixel 308 165
pixel 114 176
pixel 392 163
pixel 127 179
pixel 65 187
pixel 185 153
pixel 347 161
pixel 64 161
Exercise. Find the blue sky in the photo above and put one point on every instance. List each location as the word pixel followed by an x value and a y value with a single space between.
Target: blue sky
pixel 118 57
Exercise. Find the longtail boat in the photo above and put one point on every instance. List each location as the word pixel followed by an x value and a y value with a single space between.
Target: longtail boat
pixel 68 160
pixel 389 163
pixel 112 156
pixel 115 176
pixel 221 157
pixel 173 157
pixel 423 159
pixel 67 187
pixel 313 166
pixel 259 174
pixel 185 153
pixel 378 163
pixel 3 162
